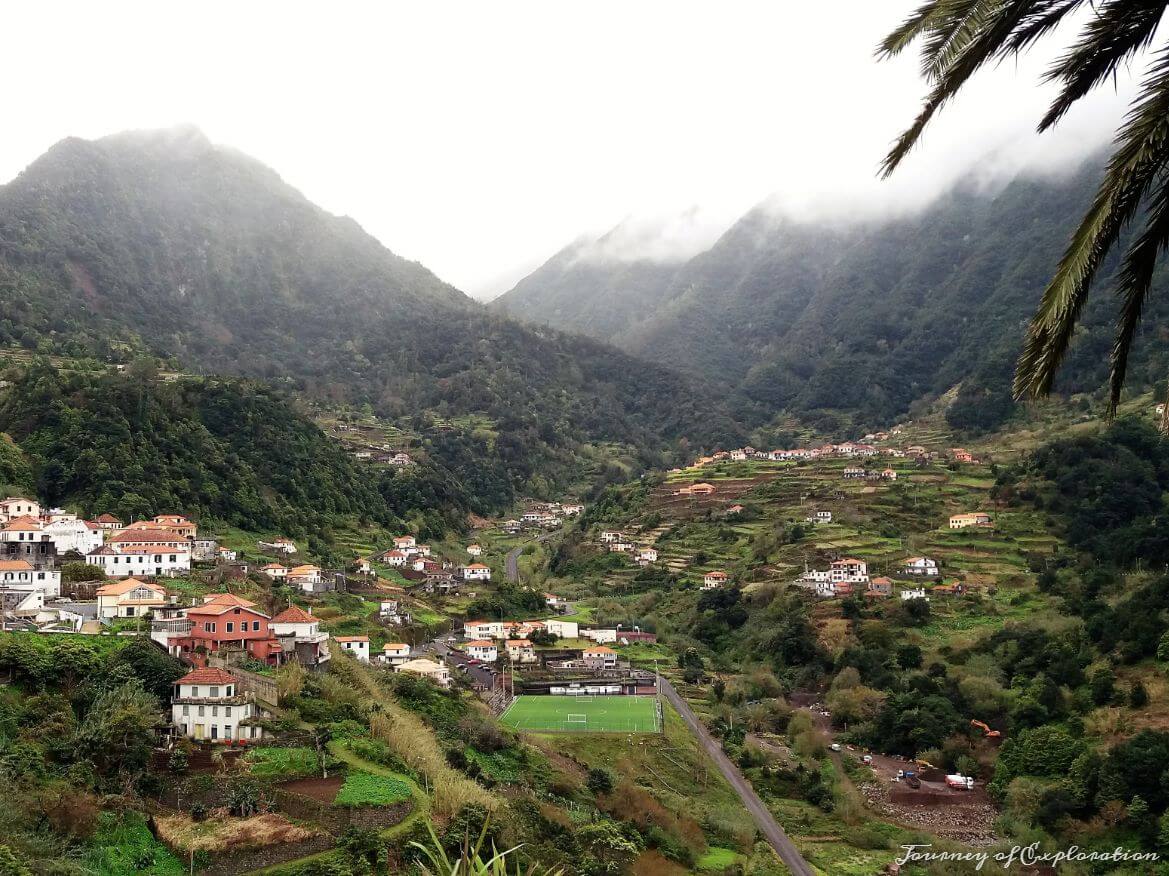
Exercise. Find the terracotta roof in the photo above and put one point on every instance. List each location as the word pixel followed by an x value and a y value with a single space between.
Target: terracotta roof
pixel 208 676
pixel 294 614
pixel 15 566
pixel 119 587
pixel 155 536
pixel 599 649
pixel 716 574
pixel 395 646
pixel 518 643
pixel 24 522
pixel 304 570
pixel 477 566
pixel 481 644
pixel 271 566
pixel 108 518
pixel 227 599
pixel 352 638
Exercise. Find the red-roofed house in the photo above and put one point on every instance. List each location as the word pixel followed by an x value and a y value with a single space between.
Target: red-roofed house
pixel 358 646
pixel 599 657
pixel 300 636
pixel 209 704
pixel 227 623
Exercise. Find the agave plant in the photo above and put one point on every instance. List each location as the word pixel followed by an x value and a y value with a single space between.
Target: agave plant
pixel 472 860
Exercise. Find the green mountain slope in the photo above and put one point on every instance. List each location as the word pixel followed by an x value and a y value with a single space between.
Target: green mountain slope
pixel 866 317
pixel 163 242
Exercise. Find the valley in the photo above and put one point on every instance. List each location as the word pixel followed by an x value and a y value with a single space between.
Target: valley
pixel 312 565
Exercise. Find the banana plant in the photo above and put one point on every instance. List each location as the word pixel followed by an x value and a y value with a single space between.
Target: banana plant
pixel 473 860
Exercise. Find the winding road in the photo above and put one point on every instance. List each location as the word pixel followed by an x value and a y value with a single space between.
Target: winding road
pixel 766 822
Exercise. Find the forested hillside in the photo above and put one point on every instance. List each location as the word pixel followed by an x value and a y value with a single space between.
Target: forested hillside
pixel 162 242
pixel 219 449
pixel 864 317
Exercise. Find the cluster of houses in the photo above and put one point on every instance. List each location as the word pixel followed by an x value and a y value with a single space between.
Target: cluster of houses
pixel 618 543
pixel 849 576
pixel 543 515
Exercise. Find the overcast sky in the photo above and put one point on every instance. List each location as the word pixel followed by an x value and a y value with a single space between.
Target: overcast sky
pixel 480 137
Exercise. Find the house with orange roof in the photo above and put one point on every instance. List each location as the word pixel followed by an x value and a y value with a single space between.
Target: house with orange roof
pixel 395 558
pixel 178 523
pixel 225 622
pixel 395 653
pixel 210 704
pixel 22 576
pixel 280 545
pixel 599 657
pixel 19 506
pixel 307 577
pixel 476 572
pixel 358 646
pixel 362 566
pixel 482 649
pixel 129 598
pixel 520 651
pixel 963 521
pixel 108 522
pixel 711 580
pixel 474 550
pixel 275 571
pixel 848 570
pixel 300 637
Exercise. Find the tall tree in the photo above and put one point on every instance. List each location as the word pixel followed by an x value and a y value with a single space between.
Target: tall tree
pixel 958 38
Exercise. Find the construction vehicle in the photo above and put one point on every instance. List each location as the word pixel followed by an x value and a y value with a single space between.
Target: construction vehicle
pixel 911 779
pixel 987 733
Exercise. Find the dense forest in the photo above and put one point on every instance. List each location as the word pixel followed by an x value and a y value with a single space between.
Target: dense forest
pixel 861 318
pixel 220 449
pixel 160 242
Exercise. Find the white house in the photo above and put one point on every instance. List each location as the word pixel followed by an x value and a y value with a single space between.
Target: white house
pixel 563 629
pixel 405 543
pixel 572 510
pixel 19 506
pixel 362 566
pixel 922 566
pixel 482 650
pixel 476 572
pixel 908 593
pixel 474 550
pixel 278 546
pixel 129 598
pixel 609 537
pixel 436 672
pixel 849 570
pixel 275 571
pixel 228 555
pixel 962 521
pixel 209 704
pixel 305 577
pixel 479 629
pixel 620 547
pixel 554 602
pixel 395 558
pixel 358 646
pixel 300 635
pixel 599 636
pixel 388 608
pixel 819 517
pixel 520 651
pixel 22 529
pixel 714 579
pixel 70 533
pixel 395 653
pixel 118 561
pixel 21 575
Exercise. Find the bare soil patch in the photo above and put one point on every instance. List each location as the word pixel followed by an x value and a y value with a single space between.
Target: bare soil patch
pixel 324 790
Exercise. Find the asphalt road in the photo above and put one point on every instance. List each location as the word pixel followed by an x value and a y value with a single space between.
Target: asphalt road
pixel 766 822
pixel 512 563
pixel 477 672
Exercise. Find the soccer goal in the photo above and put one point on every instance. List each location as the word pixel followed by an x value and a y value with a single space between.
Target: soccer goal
pixel 576 718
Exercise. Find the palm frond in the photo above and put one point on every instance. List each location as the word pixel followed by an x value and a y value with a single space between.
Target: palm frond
pixel 1118 30
pixel 967 20
pixel 987 44
pixel 913 27
pixel 1142 150
pixel 1135 281
pixel 1041 20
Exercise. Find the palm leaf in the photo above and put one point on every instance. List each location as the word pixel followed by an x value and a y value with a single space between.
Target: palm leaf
pixel 1118 30
pixel 1134 283
pixel 1142 150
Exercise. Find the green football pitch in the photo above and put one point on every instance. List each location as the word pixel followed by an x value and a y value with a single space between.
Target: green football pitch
pixel 611 714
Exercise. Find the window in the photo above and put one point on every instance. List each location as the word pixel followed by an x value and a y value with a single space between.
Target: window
pixel 214 691
pixel 186 711
pixel 215 711
pixel 173 558
pixel 255 625
pixel 227 711
pixel 230 627
pixel 200 711
pixel 194 690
